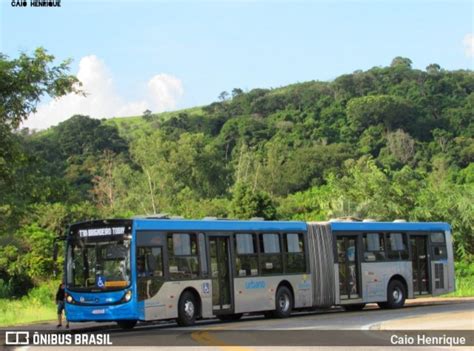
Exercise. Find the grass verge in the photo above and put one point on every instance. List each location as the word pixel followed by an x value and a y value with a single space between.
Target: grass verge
pixel 37 306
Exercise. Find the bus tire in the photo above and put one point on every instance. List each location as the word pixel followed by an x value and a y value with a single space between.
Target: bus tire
pixel 187 309
pixel 396 295
pixel 283 303
pixel 130 324
pixel 354 307
pixel 230 317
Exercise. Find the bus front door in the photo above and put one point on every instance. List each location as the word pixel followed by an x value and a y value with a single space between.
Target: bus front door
pixel 348 267
pixel 219 249
pixel 419 260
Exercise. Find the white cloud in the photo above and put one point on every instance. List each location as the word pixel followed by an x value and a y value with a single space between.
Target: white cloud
pixel 102 100
pixel 468 42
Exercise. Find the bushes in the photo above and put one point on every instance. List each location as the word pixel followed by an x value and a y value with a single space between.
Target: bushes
pixel 464 278
pixel 37 306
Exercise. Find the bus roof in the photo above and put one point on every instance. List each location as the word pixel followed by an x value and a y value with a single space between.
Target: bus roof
pixel 217 225
pixel 389 226
pixel 236 225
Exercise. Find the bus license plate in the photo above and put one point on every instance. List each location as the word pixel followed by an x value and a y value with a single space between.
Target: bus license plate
pixel 102 311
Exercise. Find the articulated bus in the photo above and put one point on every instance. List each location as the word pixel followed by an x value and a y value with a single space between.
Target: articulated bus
pixel 147 269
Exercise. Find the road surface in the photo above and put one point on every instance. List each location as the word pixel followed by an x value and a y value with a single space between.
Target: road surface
pixel 320 328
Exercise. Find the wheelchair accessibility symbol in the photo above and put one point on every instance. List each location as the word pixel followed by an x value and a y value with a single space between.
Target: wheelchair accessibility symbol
pixel 100 281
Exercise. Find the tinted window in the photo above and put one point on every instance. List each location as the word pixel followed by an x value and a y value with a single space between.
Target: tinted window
pixel 246 261
pixel 182 244
pixel 182 256
pixel 294 242
pixel 270 256
pixel 294 253
pixel 149 261
pixel 437 238
pixel 374 247
pixel 271 243
pixel 397 246
pixel 149 271
pixel 246 243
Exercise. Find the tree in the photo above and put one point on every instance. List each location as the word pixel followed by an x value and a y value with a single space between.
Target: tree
pixel 401 146
pixel 82 135
pixel 247 203
pixel 147 115
pixel 391 111
pixel 105 189
pixel 25 80
pixel 401 62
pixel 223 96
pixel 237 92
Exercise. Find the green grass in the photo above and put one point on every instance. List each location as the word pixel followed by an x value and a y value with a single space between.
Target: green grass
pixel 37 306
pixel 14 312
pixel 464 287
pixel 464 278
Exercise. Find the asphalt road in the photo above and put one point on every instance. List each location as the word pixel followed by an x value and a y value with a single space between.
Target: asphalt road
pixel 328 325
pixel 370 327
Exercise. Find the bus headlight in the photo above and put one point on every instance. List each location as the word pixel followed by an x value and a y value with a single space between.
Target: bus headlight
pixel 128 296
pixel 69 299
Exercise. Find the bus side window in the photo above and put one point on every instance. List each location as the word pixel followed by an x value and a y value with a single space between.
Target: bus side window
pixel 149 262
pixel 246 260
pixel 397 246
pixel 294 253
pixel 182 256
pixel 270 254
pixel 374 247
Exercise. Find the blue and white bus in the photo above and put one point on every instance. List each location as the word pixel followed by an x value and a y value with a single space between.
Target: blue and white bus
pixel 147 269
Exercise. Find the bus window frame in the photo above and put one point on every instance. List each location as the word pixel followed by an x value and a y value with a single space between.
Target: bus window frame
pixel 197 255
pixel 381 236
pixel 164 252
pixel 263 254
pixel 388 248
pixel 284 243
pixel 235 253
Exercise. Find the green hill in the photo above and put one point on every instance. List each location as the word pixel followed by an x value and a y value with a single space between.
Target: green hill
pixel 386 143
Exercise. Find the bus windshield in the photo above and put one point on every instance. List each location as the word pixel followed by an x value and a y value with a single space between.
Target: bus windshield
pixel 98 264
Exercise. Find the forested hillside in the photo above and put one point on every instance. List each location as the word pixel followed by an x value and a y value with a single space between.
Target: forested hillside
pixel 387 143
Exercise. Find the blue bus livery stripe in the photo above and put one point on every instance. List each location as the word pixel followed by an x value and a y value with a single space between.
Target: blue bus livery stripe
pixel 389 226
pixel 286 226
pixel 217 226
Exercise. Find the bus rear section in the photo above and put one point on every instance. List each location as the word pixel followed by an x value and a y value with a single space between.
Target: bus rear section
pixel 98 272
pixel 382 262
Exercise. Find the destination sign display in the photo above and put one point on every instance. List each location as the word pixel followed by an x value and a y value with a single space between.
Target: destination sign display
pixel 107 231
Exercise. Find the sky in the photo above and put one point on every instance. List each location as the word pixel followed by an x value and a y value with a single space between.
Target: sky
pixel 168 55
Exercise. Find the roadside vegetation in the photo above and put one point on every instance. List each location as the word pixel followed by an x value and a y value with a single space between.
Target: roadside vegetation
pixel 387 143
pixel 37 306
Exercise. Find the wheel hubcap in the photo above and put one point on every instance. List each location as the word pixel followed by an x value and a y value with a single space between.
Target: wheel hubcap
pixel 397 295
pixel 284 302
pixel 189 309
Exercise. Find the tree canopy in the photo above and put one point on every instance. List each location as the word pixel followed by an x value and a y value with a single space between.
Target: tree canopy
pixel 387 143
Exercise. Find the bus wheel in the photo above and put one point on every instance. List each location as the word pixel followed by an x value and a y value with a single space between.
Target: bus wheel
pixel 127 324
pixel 354 307
pixel 396 295
pixel 230 317
pixel 187 309
pixel 283 303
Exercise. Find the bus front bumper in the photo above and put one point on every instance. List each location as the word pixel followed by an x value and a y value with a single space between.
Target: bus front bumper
pixel 85 313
